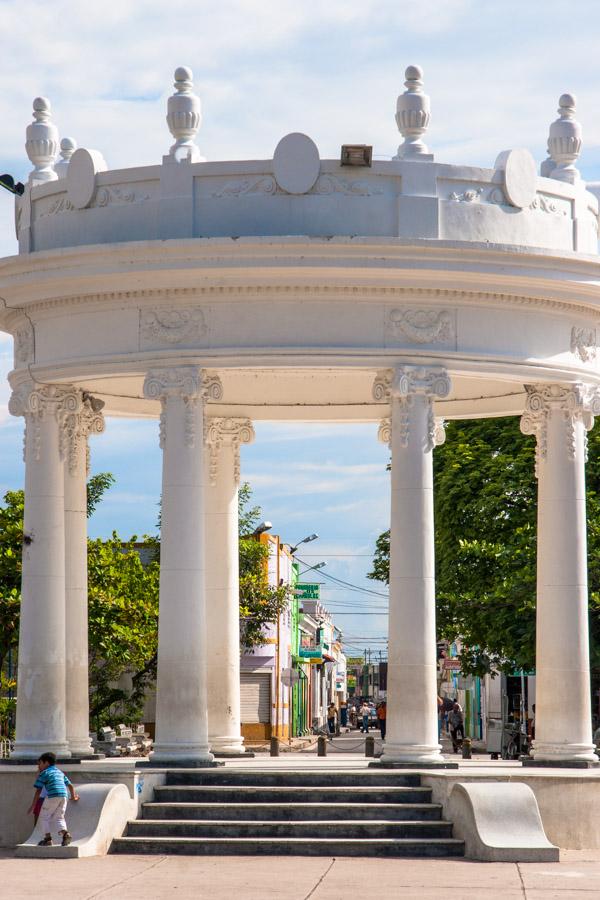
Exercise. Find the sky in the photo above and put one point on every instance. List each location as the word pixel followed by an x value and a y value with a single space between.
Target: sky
pixel 263 68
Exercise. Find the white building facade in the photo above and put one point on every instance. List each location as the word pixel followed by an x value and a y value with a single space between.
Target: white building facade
pixel 209 295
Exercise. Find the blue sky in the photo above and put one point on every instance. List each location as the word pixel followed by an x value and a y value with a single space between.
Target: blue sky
pixel 333 70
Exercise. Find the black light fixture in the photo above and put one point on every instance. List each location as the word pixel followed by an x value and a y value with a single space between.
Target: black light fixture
pixel 306 540
pixel 8 182
pixel 262 527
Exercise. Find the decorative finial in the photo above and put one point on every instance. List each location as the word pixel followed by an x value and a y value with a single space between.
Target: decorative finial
pixel 412 116
pixel 547 165
pixel 42 143
pixel 564 141
pixel 68 146
pixel 184 117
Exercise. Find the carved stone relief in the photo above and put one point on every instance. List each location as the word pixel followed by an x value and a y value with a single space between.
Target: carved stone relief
pixel 422 326
pixel 172 325
pixel 583 343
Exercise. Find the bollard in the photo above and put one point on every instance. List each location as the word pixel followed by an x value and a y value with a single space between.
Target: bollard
pixel 274 751
pixel 369 746
pixel 322 745
pixel 466 748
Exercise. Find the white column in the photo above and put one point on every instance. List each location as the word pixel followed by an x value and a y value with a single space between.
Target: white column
pixel 87 419
pixel 181 712
pixel 41 716
pixel 412 734
pixel 559 416
pixel 222 468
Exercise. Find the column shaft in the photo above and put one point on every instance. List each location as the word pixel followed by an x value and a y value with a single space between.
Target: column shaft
pixel 412 734
pixel 76 602
pixel 41 724
pixel 181 712
pixel 563 732
pixel 223 607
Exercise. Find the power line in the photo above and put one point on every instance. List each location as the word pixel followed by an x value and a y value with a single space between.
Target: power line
pixel 348 584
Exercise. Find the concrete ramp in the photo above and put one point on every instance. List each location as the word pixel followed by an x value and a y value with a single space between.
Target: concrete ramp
pixel 99 816
pixel 499 822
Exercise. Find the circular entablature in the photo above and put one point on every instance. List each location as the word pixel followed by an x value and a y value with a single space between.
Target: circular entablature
pixel 81 176
pixel 296 163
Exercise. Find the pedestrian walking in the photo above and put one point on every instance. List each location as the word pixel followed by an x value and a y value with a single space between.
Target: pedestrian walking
pixel 457 727
pixel 344 714
pixel 58 788
pixel 365 712
pixel 381 717
pixel 331 714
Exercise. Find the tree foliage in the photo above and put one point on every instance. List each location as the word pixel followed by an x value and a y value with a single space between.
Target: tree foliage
pixel 485 535
pixel 261 604
pixel 123 608
pixel 123 627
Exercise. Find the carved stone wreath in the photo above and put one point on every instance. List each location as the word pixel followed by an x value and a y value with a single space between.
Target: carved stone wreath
pixel 172 325
pixel 422 326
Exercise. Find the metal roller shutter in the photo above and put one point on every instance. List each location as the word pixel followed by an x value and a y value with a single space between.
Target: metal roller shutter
pixel 255 697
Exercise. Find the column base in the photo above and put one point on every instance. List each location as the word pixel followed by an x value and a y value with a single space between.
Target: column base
pixel 394 764
pixel 178 763
pixel 232 754
pixel 559 763
pixel 33 751
pixel 80 748
pixel 577 756
pixel 226 746
pixel 32 761
pixel 413 754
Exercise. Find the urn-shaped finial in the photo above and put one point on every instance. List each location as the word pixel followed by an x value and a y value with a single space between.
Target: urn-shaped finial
pixel 68 146
pixel 42 143
pixel 564 141
pixel 184 117
pixel 412 116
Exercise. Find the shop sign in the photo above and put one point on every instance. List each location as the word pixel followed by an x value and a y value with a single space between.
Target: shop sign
pixel 452 664
pixel 307 591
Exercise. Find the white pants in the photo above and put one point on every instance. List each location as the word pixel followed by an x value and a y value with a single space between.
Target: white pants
pixel 53 813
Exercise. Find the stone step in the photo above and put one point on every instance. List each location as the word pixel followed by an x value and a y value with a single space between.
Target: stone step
pixel 206 846
pixel 309 778
pixel 293 811
pixel 284 794
pixel 258 829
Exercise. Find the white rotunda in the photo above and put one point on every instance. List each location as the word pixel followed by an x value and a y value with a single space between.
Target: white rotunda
pixel 208 295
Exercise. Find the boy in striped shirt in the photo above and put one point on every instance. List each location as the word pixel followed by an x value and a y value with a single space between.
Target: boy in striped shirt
pixel 58 788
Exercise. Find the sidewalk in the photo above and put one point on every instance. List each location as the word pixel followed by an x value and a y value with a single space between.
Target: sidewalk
pixel 576 877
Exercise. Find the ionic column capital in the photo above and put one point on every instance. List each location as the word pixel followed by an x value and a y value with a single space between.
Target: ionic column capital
pixel 219 430
pixel 182 382
pixel 403 385
pixel 78 414
pixel 191 385
pixel 403 381
pixel 77 425
pixel 573 402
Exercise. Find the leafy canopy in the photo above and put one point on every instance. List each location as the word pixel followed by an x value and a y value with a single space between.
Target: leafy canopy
pixel 485 536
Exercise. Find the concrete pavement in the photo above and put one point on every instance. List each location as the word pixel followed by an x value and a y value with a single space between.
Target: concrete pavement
pixel 576 877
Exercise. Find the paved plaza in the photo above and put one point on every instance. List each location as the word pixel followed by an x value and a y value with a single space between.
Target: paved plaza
pixel 296 878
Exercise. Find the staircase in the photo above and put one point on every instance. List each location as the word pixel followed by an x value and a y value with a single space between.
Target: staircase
pixel 307 813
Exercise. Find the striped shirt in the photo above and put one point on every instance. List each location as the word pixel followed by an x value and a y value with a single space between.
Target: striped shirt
pixel 54 781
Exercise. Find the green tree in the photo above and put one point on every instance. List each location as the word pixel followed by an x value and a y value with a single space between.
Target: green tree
pixel 260 603
pixel 123 626
pixel 485 534
pixel 123 608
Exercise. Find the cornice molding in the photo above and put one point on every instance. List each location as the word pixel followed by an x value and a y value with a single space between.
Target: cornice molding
pixel 204 294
